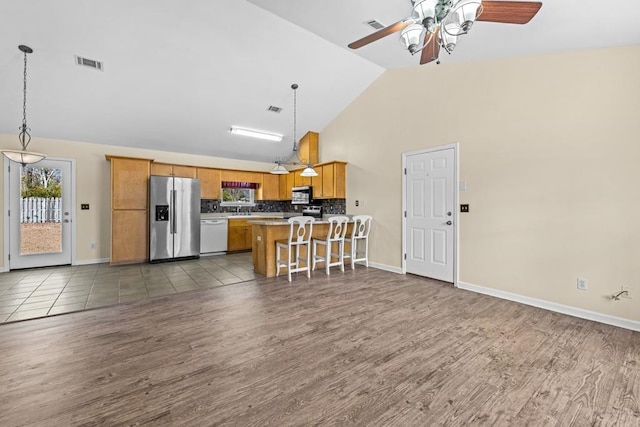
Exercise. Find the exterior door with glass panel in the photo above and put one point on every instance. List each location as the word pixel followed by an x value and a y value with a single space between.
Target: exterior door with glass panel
pixel 40 214
pixel 429 229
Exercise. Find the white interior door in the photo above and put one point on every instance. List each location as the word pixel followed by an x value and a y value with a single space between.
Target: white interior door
pixel 40 214
pixel 430 213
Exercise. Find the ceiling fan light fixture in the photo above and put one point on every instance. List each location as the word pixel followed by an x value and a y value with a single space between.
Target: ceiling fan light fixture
pixel 448 40
pixel 464 13
pixel 412 38
pixel 425 12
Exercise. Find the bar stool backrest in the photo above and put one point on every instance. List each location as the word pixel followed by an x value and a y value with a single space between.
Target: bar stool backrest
pixel 337 228
pixel 299 232
pixel 361 226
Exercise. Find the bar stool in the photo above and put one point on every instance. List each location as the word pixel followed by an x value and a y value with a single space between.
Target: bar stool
pixel 360 232
pixel 300 230
pixel 336 233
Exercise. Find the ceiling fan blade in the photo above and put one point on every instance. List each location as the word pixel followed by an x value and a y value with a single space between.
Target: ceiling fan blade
pixel 393 28
pixel 509 12
pixel 431 51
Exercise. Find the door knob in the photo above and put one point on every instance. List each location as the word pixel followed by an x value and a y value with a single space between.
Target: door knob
pixel 449 213
pixel 449 222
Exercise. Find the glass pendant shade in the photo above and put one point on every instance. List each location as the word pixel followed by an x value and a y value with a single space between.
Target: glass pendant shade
pixel 425 11
pixel 449 40
pixel 278 169
pixel 412 37
pixel 463 15
pixel 23 157
pixel 308 171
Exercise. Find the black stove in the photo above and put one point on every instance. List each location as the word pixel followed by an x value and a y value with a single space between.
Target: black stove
pixel 314 211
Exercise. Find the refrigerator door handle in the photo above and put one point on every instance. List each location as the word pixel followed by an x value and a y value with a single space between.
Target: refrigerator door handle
pixel 172 213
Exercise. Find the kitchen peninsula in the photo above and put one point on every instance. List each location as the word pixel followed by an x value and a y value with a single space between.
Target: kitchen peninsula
pixel 265 234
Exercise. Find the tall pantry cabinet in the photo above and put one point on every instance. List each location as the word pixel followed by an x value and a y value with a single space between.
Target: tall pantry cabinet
pixel 129 209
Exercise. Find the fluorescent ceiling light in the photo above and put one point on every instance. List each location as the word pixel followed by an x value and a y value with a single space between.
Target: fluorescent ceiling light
pixel 256 134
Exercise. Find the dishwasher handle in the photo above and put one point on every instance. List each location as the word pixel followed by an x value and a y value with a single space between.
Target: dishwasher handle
pixel 213 221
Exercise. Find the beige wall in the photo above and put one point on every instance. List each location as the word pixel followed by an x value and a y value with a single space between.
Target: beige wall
pixel 93 184
pixel 550 149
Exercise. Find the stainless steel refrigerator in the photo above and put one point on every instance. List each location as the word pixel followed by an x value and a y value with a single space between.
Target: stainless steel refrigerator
pixel 174 223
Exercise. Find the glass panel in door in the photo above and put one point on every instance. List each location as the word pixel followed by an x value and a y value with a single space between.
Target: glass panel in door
pixel 40 214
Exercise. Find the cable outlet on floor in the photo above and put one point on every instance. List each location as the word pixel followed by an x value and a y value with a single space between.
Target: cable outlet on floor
pixel 582 284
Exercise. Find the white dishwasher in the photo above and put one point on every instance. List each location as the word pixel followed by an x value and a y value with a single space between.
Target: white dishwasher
pixel 213 235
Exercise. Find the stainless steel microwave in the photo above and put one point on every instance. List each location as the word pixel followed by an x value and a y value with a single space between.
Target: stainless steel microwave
pixel 301 195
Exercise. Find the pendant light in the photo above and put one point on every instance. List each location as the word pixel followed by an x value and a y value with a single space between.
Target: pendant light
pixel 23 156
pixel 294 160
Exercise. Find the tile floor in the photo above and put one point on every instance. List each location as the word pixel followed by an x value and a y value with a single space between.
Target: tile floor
pixel 27 294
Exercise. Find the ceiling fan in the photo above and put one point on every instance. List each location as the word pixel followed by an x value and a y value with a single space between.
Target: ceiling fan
pixel 438 23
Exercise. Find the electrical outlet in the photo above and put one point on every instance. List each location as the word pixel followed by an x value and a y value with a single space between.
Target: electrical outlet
pixel 357 202
pixel 582 284
pixel 628 294
pixel 464 208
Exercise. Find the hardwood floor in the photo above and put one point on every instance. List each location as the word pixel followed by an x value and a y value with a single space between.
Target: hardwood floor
pixel 360 348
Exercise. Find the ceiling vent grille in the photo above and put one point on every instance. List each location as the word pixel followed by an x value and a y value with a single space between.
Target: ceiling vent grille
pixel 274 109
pixel 375 24
pixel 89 63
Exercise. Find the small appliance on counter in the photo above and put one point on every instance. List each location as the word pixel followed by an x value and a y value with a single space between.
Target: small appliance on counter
pixel 314 211
pixel 174 218
pixel 301 195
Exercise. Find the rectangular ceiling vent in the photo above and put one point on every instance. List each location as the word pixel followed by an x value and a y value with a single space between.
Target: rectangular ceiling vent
pixel 274 109
pixel 89 63
pixel 375 24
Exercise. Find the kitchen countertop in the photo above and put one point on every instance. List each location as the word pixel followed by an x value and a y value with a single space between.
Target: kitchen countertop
pixel 228 215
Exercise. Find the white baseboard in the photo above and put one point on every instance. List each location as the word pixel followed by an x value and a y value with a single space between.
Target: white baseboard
pixel 633 325
pixel 4 269
pixel 384 267
pixel 91 261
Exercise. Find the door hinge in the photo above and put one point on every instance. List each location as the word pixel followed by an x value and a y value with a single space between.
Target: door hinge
pixel 405 214
pixel 9 257
pixel 405 257
pixel 405 171
pixel 9 212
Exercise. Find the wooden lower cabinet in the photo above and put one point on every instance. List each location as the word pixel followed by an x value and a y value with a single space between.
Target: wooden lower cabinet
pixel 129 231
pixel 239 236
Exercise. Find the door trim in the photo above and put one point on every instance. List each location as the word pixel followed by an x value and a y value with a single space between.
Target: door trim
pixel 6 232
pixel 456 178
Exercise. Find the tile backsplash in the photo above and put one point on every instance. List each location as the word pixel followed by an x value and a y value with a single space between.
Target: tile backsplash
pixel 329 206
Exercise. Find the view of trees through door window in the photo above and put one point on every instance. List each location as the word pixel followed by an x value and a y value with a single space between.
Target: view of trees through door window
pixel 40 210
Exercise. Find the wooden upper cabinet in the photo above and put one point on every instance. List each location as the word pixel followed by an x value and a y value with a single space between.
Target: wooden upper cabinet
pixel 308 148
pixel 241 176
pixel 165 169
pixel 330 182
pixel 286 184
pixel 316 183
pixel 299 180
pixel 210 183
pixel 184 171
pixel 129 183
pixel 270 187
pixel 161 169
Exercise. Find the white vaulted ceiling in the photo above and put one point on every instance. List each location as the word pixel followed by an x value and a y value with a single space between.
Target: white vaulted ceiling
pixel 178 74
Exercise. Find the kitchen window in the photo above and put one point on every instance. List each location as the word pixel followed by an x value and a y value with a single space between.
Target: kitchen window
pixel 238 193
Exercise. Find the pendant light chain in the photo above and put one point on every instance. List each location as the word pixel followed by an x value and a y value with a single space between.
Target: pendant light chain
pixel 24 136
pixel 295 90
